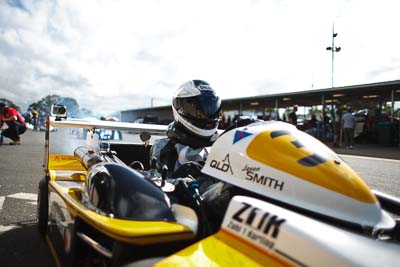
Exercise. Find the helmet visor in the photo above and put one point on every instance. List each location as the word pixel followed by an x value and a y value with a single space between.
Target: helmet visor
pixel 204 107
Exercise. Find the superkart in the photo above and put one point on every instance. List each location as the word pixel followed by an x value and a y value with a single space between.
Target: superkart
pixel 101 204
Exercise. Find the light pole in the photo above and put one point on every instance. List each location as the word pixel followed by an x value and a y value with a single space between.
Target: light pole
pixel 332 48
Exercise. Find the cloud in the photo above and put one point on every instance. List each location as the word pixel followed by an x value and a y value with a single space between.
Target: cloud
pixel 118 55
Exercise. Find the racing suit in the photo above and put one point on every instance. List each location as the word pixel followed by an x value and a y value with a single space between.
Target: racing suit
pixel 183 154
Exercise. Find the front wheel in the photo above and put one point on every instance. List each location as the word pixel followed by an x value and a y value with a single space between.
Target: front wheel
pixel 43 206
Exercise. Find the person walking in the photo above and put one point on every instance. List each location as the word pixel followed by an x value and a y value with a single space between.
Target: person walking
pixel 113 131
pixel 15 122
pixel 348 125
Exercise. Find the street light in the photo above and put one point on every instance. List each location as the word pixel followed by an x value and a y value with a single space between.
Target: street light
pixel 333 48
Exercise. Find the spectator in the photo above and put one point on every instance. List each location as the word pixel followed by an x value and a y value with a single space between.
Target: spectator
pixel 15 122
pixel 293 116
pixel 312 126
pixel 337 118
pixel 229 121
pixel 348 125
pixel 313 121
pixel 35 119
pixel 113 131
pixel 27 117
pixel 222 122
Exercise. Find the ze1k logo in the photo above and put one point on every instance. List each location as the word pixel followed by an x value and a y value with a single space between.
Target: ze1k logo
pixel 223 165
pixel 263 221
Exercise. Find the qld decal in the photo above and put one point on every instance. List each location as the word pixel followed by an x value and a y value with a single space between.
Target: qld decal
pixel 253 174
pixel 239 135
pixel 224 165
pixel 259 226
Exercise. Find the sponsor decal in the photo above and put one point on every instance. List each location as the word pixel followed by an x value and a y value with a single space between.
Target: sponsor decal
pixel 252 174
pixel 223 165
pixel 259 226
pixel 61 158
pixel 204 87
pixel 239 135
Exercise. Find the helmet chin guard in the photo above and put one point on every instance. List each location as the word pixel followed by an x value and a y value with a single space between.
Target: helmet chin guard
pixel 192 128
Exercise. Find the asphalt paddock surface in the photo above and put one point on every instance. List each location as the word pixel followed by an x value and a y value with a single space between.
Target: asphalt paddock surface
pixel 23 246
pixel 21 168
pixel 371 150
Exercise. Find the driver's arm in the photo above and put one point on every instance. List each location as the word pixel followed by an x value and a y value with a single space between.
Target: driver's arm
pixel 163 153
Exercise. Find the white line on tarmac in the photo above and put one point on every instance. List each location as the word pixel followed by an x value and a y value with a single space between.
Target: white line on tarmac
pixel 5 228
pixel 372 158
pixel 2 198
pixel 26 196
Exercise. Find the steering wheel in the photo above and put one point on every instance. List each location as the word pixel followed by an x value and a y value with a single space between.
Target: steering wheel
pixel 192 168
pixel 137 165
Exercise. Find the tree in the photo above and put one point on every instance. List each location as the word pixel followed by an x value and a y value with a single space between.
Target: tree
pixel 44 105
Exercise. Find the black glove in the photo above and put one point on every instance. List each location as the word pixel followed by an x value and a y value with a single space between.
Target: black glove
pixel 187 191
pixel 191 168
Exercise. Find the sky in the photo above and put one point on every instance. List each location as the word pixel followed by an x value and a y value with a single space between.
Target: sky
pixel 125 54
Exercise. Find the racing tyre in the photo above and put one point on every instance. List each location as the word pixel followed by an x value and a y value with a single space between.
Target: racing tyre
pixel 75 248
pixel 43 206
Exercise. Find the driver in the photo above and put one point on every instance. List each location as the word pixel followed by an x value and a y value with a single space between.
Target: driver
pixel 196 109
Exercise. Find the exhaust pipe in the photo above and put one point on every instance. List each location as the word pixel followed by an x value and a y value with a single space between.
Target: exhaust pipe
pixel 87 157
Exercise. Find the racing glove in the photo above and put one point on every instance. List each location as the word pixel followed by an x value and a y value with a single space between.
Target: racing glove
pixel 187 191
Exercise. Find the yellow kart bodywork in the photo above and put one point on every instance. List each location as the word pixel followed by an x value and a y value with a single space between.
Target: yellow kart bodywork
pixel 67 180
pixel 223 249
